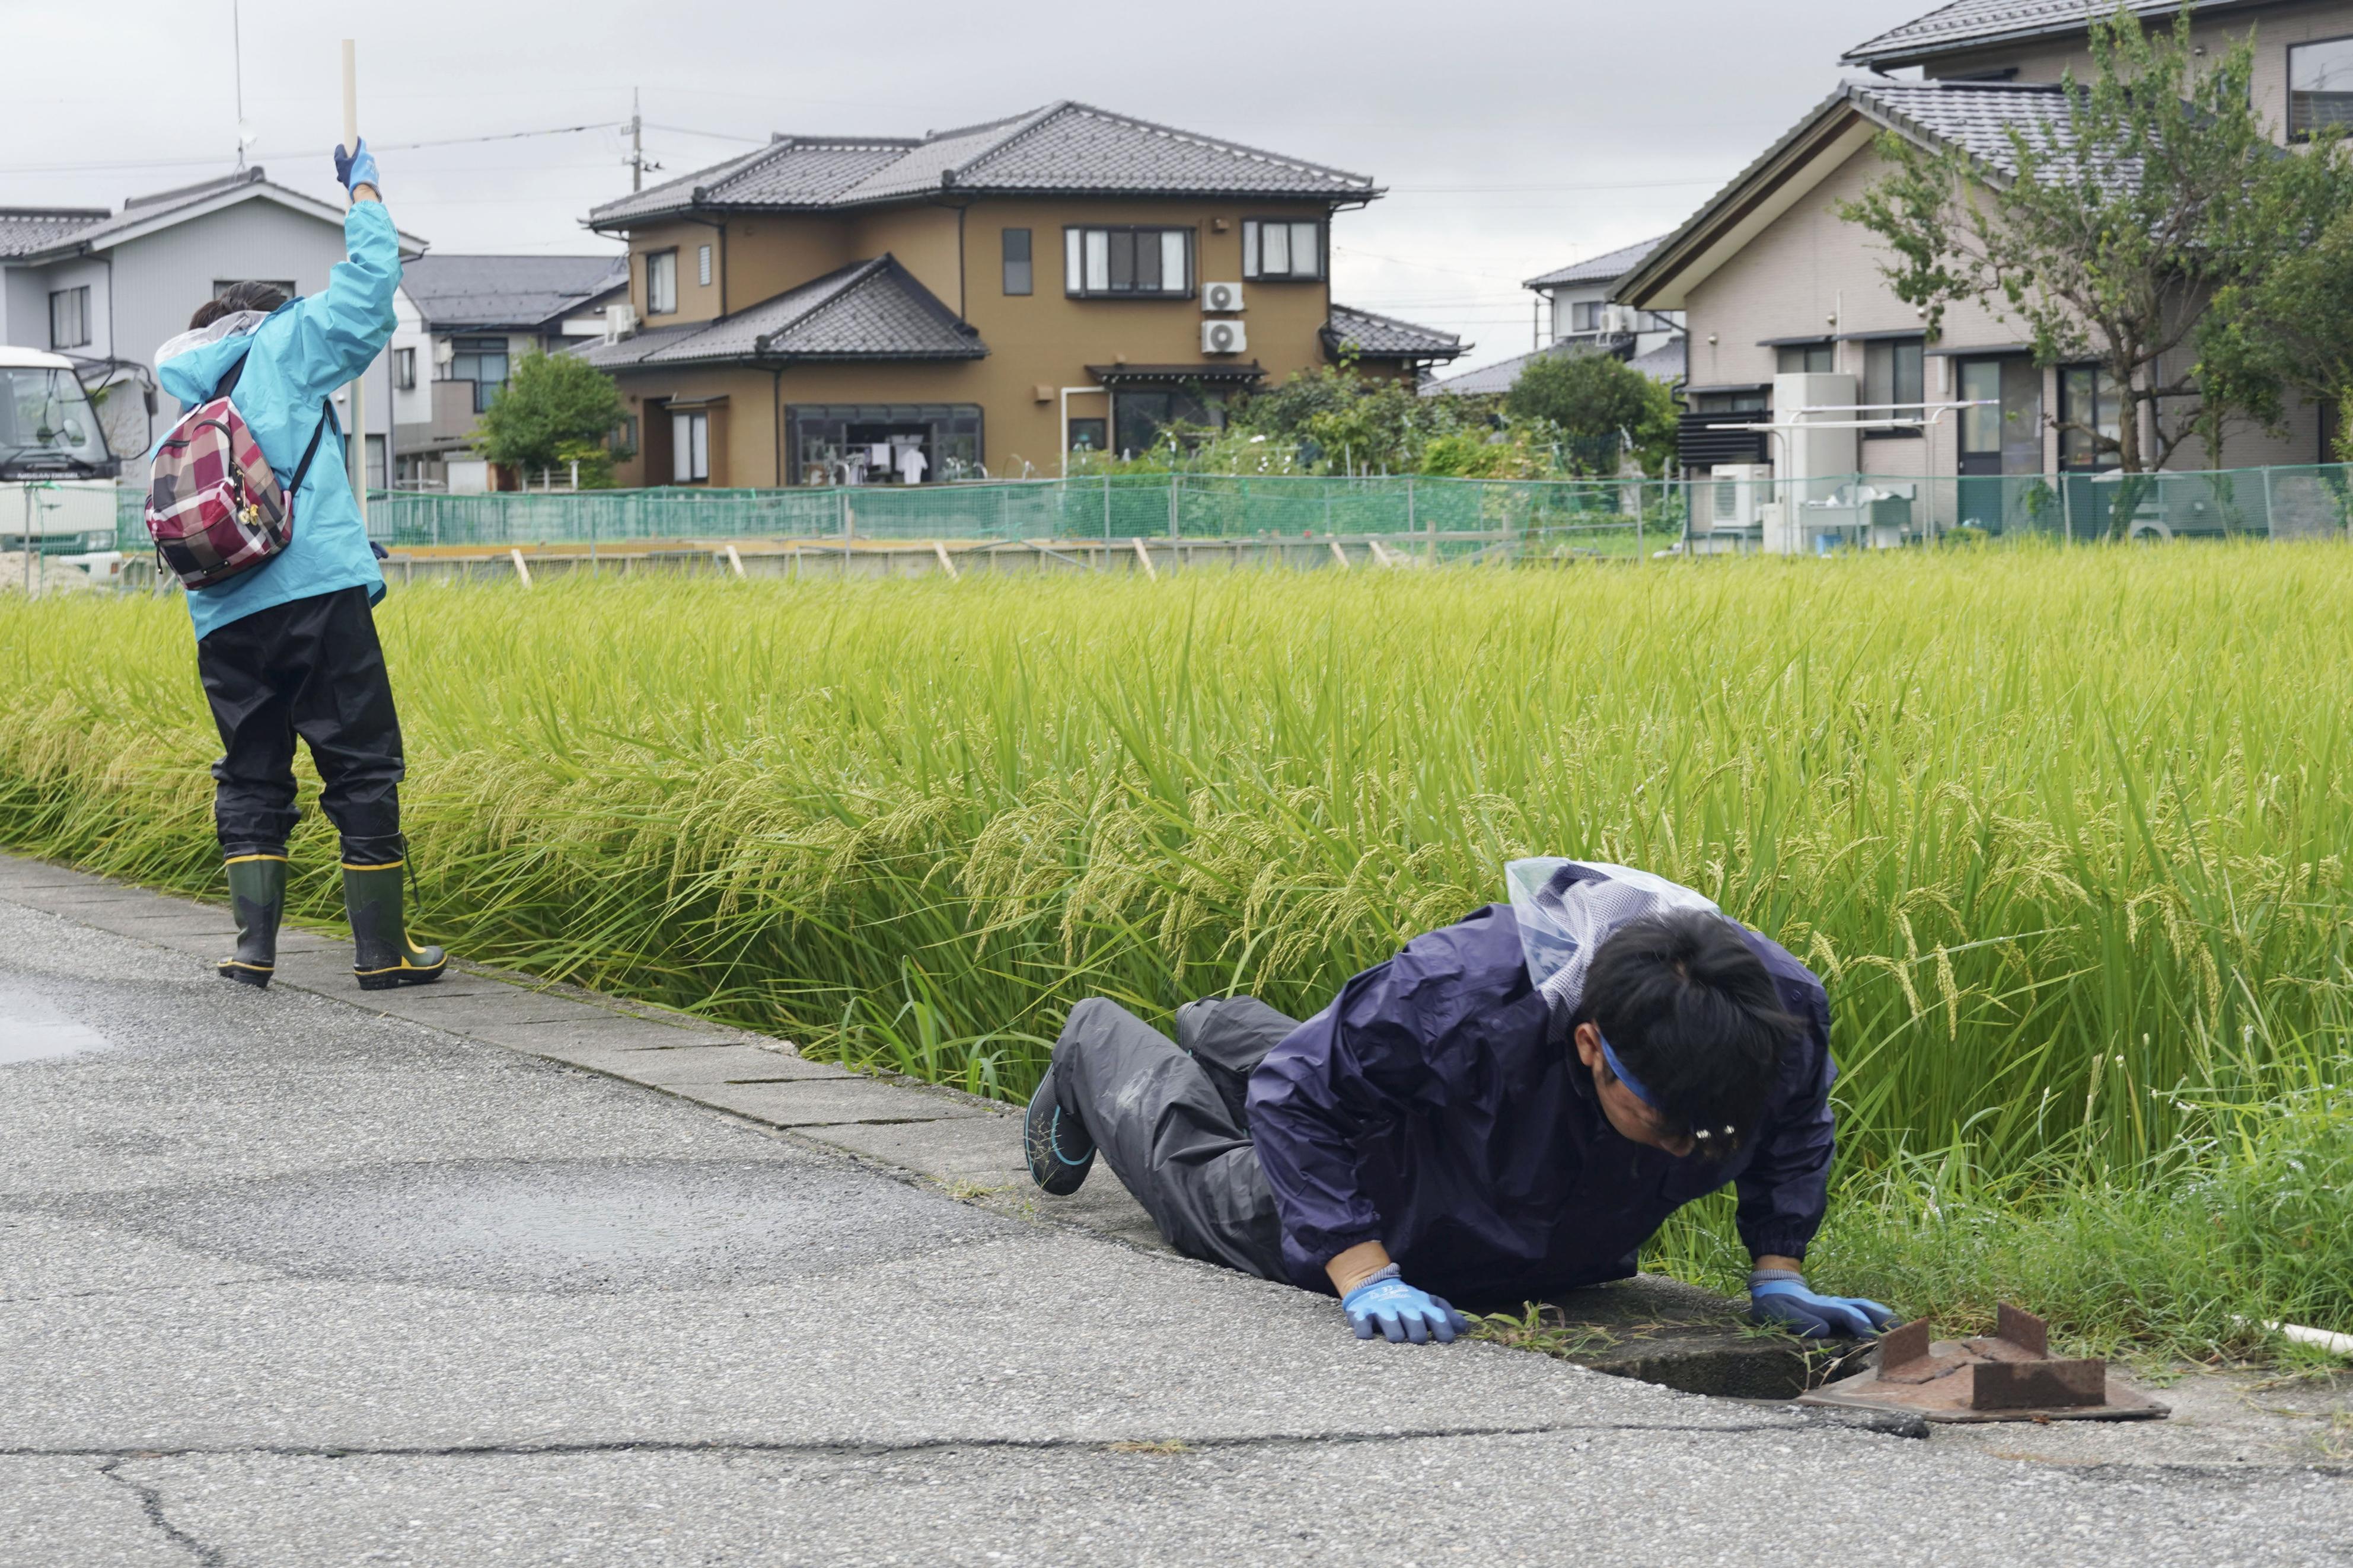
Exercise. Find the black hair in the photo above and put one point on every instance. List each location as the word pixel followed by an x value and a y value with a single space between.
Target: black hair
pixel 247 296
pixel 1694 1015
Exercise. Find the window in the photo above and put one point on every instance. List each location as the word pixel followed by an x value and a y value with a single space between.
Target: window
pixel 1140 414
pixel 1273 249
pixel 484 361
pixel 832 442
pixel 2088 397
pixel 70 318
pixel 1088 434
pixel 689 446
pixel 1018 267
pixel 376 462
pixel 702 265
pixel 1895 383
pixel 1805 359
pixel 404 369
pixel 1147 263
pixel 661 283
pixel 1586 315
pixel 1746 401
pixel 2319 88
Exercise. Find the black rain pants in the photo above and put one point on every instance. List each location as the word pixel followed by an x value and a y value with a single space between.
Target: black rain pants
pixel 1170 1118
pixel 311 667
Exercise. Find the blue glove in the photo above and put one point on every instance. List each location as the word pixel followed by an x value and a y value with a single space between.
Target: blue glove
pixel 357 169
pixel 1779 1296
pixel 1400 1312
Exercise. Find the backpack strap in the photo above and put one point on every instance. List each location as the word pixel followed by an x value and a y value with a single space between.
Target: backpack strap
pixel 228 383
pixel 326 416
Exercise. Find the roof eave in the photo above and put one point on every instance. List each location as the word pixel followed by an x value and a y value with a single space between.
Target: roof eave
pixel 1922 52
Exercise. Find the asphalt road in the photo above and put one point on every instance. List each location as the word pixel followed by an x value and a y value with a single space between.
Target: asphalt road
pixel 283 1281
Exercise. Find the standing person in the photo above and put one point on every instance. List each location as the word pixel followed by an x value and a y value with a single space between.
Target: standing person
pixel 289 648
pixel 1506 1110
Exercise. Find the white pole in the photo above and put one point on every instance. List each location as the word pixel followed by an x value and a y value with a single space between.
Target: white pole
pixel 358 461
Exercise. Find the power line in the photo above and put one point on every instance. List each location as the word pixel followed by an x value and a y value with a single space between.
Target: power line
pixel 388 147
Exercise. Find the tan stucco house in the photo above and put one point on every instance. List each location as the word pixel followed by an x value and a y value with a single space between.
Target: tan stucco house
pixel 835 309
pixel 1776 286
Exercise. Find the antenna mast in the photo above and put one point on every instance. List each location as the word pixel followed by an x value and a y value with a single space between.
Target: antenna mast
pixel 237 48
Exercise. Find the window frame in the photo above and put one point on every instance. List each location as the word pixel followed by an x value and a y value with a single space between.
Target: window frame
pixel 2093 461
pixel 2287 84
pixel 79 294
pixel 702 267
pixel 404 370
pixel 1918 342
pixel 1027 261
pixel 694 454
pixel 480 349
pixel 1080 254
pixel 1253 250
pixel 671 256
pixel 1826 349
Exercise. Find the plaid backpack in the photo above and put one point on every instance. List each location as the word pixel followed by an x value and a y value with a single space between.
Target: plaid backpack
pixel 214 505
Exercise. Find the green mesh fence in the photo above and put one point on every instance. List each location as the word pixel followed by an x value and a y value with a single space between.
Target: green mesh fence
pixel 1555 517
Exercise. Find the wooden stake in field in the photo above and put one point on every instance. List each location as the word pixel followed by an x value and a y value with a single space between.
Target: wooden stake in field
pixel 355 459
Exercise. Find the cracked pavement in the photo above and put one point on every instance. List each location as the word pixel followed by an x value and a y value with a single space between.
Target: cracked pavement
pixel 284 1281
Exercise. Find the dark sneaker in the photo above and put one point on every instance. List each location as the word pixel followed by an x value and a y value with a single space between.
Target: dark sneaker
pixel 1061 1153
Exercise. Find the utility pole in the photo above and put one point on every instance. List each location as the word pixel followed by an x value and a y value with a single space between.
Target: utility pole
pixel 237 48
pixel 636 158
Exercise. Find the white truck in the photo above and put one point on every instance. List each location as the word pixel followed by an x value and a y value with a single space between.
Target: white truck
pixel 57 490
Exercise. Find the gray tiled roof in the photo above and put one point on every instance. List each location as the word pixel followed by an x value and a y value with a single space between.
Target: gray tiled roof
pixel 868 310
pixel 140 211
pixel 1063 147
pixel 1975 115
pixel 1386 337
pixel 23 230
pixel 521 291
pixel 1665 363
pixel 1607 268
pixel 1973 24
pixel 1669 363
pixel 1980 118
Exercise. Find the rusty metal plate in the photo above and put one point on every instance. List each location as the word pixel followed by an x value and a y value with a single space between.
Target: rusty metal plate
pixel 2006 1376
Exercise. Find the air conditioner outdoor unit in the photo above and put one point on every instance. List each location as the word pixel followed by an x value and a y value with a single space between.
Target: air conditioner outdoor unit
pixel 444 351
pixel 1221 297
pixel 621 321
pixel 1738 493
pixel 1224 337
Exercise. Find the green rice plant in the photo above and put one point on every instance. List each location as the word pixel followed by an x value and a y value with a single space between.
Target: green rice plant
pixel 2065 831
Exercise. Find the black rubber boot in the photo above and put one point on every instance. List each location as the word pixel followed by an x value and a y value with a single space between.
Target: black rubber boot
pixel 384 957
pixel 1060 1151
pixel 257 895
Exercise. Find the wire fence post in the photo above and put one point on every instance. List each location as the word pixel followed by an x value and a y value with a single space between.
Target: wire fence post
pixel 1174 510
pixel 2269 532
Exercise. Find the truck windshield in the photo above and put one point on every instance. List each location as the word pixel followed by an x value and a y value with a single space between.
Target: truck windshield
pixel 46 425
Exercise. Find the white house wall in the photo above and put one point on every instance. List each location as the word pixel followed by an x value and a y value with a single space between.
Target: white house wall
pixel 1810 273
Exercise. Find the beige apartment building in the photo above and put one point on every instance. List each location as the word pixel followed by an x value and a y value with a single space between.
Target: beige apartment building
pixel 1775 285
pixel 981 302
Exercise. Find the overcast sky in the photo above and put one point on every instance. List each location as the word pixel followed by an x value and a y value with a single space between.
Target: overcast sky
pixel 1512 138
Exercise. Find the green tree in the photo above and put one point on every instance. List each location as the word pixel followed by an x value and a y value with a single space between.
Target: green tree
pixel 2108 232
pixel 553 409
pixel 2292 332
pixel 1600 407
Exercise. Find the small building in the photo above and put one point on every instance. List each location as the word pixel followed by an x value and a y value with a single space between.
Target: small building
pixel 107 288
pixel 464 322
pixel 1584 316
pixel 897 310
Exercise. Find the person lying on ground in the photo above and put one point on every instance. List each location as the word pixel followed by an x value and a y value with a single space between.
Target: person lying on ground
pixel 288 646
pixel 1506 1110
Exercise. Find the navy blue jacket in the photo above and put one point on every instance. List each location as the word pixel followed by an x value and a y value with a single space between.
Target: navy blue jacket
pixel 1427 1109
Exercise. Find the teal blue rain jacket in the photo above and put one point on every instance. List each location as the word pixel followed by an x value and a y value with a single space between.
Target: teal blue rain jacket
pixel 298 357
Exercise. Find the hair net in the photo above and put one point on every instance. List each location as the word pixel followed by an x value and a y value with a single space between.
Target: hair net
pixel 230 326
pixel 1566 909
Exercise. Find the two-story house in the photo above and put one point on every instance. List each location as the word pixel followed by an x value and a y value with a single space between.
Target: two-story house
pixel 464 320
pixel 106 288
pixel 1583 315
pixel 896 310
pixel 1775 285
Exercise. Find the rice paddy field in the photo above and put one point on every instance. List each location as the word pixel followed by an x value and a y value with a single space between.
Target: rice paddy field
pixel 2066 832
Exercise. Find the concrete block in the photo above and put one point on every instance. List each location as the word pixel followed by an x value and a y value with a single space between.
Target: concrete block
pixel 743 1065
pixel 822 1101
pixel 982 1150
pixel 592 1029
